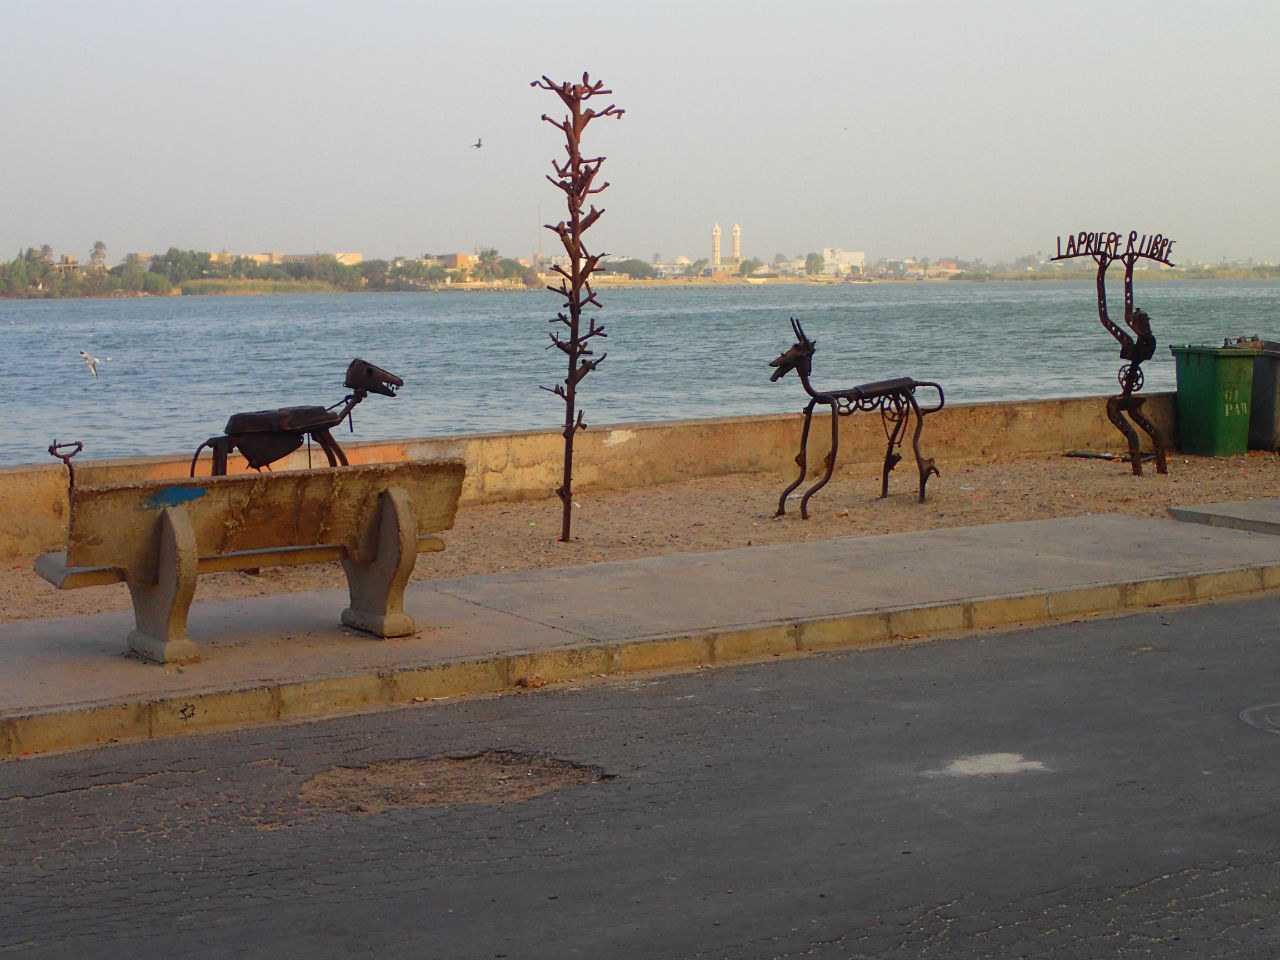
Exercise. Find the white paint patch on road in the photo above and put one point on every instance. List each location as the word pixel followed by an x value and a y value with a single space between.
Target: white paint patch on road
pixel 988 764
pixel 616 437
pixel 1266 718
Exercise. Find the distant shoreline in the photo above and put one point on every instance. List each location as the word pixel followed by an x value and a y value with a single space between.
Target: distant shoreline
pixel 214 288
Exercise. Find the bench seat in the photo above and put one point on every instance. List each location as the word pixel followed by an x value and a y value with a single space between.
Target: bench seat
pixel 159 536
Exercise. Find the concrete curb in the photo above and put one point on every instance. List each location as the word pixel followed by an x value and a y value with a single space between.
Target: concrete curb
pixel 100 723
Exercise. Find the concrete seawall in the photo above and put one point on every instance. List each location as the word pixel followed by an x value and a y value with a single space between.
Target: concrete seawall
pixel 526 465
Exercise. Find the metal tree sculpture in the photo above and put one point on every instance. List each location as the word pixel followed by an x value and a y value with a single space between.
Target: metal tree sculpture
pixel 576 177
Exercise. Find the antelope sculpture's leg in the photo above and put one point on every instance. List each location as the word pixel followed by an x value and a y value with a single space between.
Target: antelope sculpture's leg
pixel 925 466
pixel 830 462
pixel 1157 440
pixel 892 410
pixel 1115 406
pixel 801 460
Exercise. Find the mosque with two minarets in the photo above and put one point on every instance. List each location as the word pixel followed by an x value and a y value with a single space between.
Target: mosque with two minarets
pixel 726 266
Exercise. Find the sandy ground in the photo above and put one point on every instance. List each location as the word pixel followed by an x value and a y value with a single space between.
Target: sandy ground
pixel 730 512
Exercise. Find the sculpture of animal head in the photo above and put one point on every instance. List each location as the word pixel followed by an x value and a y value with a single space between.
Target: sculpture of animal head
pixel 364 376
pixel 799 358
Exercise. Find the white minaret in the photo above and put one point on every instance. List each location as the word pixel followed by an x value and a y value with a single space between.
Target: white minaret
pixel 715 245
pixel 737 242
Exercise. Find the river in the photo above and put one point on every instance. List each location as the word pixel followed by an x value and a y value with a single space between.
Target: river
pixel 475 362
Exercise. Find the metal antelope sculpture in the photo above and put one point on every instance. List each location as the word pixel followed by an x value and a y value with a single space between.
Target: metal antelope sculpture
pixel 894 399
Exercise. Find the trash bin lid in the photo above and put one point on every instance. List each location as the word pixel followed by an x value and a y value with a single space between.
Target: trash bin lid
pixel 1254 343
pixel 1203 348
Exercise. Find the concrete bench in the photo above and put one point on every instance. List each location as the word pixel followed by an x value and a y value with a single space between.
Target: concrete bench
pixel 158 536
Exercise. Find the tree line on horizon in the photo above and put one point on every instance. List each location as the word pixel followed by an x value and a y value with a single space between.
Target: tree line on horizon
pixel 35 274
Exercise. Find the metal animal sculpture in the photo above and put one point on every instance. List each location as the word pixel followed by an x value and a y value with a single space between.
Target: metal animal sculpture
pixel 265 436
pixel 894 399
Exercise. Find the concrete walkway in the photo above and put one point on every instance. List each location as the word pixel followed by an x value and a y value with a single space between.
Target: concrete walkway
pixel 67 683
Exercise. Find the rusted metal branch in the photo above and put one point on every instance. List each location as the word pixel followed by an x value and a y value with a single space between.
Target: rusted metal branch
pixel 575 178
pixel 64 452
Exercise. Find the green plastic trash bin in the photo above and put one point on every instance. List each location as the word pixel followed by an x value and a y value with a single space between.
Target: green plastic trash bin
pixel 1264 398
pixel 1214 388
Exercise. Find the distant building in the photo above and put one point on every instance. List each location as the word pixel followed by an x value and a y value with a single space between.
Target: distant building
pixel 672 268
pixel 458 261
pixel 843 263
pixel 719 266
pixel 266 259
pixel 67 265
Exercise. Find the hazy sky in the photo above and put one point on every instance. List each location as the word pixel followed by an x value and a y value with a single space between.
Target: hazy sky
pixel 902 129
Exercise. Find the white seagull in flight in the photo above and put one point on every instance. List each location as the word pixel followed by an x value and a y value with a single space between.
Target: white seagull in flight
pixel 92 361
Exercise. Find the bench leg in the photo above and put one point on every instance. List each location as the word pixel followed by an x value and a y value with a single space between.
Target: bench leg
pixel 160 608
pixel 377 588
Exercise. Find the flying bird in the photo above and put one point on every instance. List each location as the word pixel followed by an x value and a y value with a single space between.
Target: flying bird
pixel 477 145
pixel 92 361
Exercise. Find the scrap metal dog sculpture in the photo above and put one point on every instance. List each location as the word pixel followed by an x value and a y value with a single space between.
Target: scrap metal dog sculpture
pixel 265 436
pixel 894 399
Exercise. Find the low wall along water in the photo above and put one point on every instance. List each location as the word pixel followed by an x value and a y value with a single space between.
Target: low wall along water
pixel 527 465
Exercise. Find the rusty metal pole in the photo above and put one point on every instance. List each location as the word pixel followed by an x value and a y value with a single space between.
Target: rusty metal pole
pixel 64 452
pixel 575 177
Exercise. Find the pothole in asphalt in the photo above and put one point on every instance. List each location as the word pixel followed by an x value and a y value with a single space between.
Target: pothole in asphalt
pixel 494 778
pixel 1266 718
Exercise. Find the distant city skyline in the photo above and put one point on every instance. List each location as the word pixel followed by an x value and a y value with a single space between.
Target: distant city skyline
pixel 355 257
pixel 933 131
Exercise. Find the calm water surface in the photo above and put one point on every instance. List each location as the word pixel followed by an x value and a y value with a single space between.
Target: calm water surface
pixel 474 362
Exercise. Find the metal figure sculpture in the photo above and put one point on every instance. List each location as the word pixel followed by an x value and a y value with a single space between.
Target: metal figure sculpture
pixel 894 399
pixel 576 178
pixel 1105 249
pixel 265 436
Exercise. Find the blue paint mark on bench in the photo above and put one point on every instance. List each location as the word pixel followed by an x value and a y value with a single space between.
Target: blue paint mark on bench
pixel 172 497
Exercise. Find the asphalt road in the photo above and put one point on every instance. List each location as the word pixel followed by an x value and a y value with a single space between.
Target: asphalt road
pixel 1086 790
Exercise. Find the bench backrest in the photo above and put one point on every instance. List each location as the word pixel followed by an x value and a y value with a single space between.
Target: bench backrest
pixel 115 524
